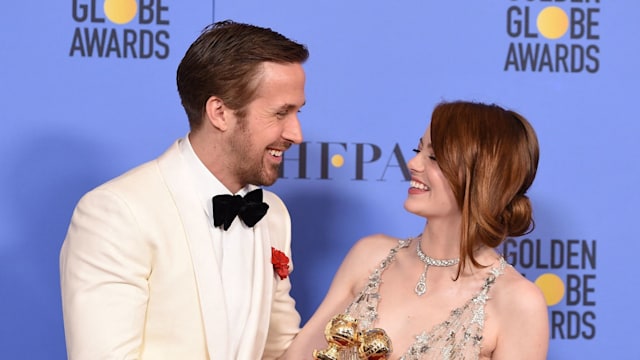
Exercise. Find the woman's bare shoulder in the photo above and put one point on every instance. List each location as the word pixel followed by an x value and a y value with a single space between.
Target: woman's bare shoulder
pixel 375 245
pixel 370 250
pixel 517 296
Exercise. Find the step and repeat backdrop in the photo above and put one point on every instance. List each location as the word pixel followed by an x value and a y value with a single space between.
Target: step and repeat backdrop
pixel 88 91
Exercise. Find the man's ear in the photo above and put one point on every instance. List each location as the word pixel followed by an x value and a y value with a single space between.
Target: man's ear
pixel 215 112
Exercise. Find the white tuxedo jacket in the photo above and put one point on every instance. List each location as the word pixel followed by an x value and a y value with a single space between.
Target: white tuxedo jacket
pixel 139 278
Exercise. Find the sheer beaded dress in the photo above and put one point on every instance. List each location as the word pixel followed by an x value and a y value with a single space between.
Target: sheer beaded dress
pixel 456 338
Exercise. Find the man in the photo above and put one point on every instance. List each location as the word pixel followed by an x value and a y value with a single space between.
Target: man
pixel 146 271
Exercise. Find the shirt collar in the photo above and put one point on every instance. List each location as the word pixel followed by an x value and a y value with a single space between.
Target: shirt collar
pixel 207 185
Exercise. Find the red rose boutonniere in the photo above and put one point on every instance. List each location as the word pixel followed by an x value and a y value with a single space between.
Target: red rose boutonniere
pixel 280 263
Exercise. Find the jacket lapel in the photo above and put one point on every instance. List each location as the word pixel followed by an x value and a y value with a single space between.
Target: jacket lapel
pixel 198 237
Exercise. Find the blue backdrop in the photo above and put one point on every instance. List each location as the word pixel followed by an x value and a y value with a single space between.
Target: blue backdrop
pixel 89 93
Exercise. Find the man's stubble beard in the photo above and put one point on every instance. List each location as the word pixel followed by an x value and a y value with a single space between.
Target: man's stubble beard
pixel 247 169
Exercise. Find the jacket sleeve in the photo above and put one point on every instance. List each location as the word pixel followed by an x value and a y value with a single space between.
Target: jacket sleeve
pixel 284 322
pixel 104 267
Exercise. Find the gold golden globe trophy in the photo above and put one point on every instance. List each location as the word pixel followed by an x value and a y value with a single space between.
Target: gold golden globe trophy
pixel 374 344
pixel 342 333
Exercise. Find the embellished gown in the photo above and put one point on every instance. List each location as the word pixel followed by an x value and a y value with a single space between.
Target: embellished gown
pixel 456 338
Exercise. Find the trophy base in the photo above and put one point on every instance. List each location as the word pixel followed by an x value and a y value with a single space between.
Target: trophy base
pixel 331 353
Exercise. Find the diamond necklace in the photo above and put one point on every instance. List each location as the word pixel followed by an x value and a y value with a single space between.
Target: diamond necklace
pixel 421 286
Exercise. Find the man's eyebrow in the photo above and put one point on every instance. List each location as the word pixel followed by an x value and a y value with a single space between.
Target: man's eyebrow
pixel 288 106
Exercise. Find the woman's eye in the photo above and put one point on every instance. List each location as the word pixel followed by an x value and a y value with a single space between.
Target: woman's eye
pixel 431 156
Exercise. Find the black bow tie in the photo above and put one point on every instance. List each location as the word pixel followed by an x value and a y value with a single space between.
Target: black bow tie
pixel 250 208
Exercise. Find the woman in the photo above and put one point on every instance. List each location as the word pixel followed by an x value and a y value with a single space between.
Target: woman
pixel 446 293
